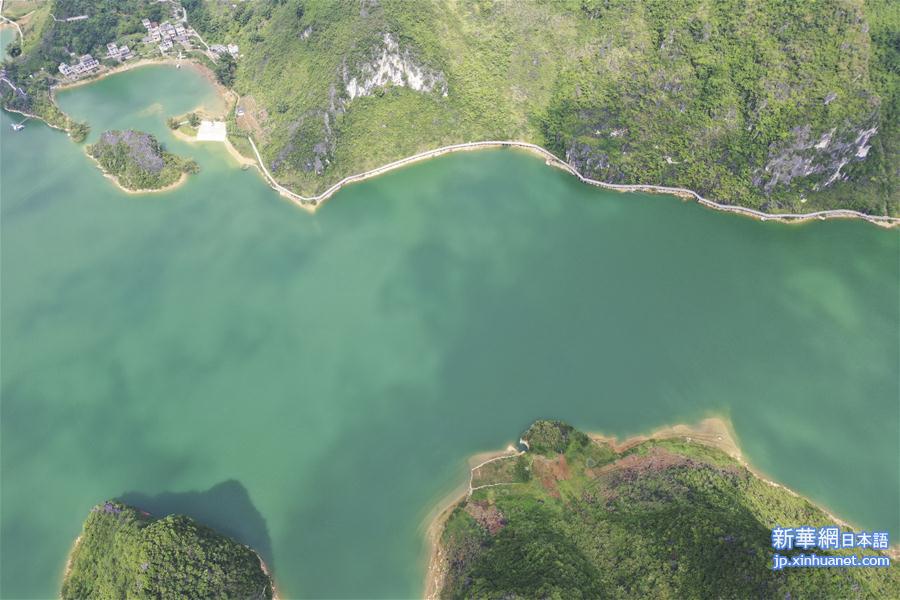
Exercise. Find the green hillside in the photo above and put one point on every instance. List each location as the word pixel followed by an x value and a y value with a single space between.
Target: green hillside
pixel 779 105
pixel 728 98
pixel 126 553
pixel 572 518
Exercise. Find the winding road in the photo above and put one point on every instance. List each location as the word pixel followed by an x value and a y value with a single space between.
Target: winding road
pixel 310 203
pixel 11 22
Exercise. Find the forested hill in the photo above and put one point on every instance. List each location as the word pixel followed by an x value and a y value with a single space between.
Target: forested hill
pixel 774 104
pixel 124 552
pixel 574 518
pixel 780 105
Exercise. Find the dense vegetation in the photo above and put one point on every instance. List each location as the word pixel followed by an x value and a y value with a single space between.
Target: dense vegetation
pixel 126 553
pixel 665 519
pixel 769 104
pixel 774 104
pixel 138 161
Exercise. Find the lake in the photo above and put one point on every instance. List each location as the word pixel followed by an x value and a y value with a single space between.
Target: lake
pixel 313 384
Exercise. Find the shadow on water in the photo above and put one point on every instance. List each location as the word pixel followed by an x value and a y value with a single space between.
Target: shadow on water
pixel 226 507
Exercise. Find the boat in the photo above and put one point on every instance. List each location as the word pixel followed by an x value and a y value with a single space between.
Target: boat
pixel 17 126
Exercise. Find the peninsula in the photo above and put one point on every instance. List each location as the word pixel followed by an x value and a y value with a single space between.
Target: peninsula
pixel 137 162
pixel 125 552
pixel 676 514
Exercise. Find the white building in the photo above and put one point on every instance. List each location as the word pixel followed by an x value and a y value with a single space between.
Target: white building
pixel 85 65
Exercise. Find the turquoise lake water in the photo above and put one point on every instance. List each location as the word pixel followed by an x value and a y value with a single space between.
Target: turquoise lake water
pixel 313 384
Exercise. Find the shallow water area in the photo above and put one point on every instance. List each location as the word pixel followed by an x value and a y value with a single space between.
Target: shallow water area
pixel 313 384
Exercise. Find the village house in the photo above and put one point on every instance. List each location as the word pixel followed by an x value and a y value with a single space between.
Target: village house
pixel 221 49
pixel 167 31
pixel 120 53
pixel 85 65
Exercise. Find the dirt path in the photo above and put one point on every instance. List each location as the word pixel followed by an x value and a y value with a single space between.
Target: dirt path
pixel 10 22
pixel 434 522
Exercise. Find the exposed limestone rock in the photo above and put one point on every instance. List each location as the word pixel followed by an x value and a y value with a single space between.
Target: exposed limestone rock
pixel 862 150
pixel 393 66
pixel 592 163
pixel 805 155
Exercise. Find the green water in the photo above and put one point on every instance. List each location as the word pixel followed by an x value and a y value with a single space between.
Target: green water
pixel 313 384
pixel 7 34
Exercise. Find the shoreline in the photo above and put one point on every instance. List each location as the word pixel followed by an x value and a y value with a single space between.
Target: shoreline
pixel 715 432
pixel 228 96
pixel 175 184
pixel 718 433
pixel 72 550
pixel 265 569
pixel 433 524
pixel 37 118
pixel 237 156
pixel 311 203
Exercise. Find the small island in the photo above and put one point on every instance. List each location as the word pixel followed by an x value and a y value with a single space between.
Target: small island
pixel 124 552
pixel 137 162
pixel 674 515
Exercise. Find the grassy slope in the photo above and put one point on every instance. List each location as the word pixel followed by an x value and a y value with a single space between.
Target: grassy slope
pixel 665 519
pixel 719 87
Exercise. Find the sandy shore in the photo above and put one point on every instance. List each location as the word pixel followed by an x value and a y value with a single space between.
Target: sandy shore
pixel 68 568
pixel 714 432
pixel 265 569
pixel 433 524
pixel 717 433
pixel 240 158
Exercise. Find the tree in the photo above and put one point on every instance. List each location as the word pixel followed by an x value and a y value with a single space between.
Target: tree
pixel 79 131
pixel 172 122
pixel 225 69
pixel 194 120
